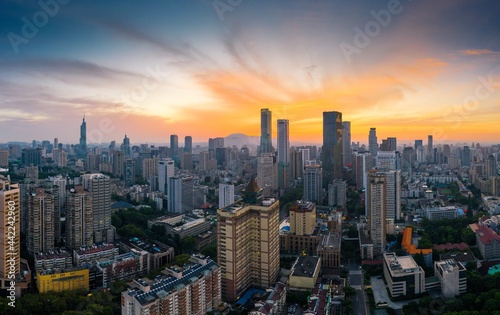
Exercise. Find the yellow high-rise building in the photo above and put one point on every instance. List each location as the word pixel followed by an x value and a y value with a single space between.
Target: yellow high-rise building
pixel 248 243
pixel 302 218
pixel 10 228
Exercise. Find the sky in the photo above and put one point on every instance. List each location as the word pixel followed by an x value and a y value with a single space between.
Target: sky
pixel 205 68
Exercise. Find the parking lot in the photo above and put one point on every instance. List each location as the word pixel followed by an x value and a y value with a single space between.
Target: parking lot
pixel 380 294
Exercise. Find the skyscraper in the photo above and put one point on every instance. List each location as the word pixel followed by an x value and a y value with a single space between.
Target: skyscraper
pixel 491 166
pixel 377 209
pixel 10 245
pixel 83 138
pixel 346 142
pixel 248 243
pixel 266 131
pixel 174 147
pixel 267 173
pixel 79 218
pixel 99 186
pixel 166 169
pixel 332 147
pixel 372 142
pixel 126 146
pixel 466 156
pixel 188 144
pixel 393 194
pixel 313 183
pixel 226 194
pixel 393 143
pixel 283 152
pixel 41 221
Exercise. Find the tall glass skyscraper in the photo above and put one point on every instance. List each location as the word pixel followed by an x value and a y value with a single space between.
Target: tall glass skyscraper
pixel 266 131
pixel 83 137
pixel 332 147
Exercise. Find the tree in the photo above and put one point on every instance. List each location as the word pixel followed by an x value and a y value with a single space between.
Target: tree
pixel 181 260
pixel 188 244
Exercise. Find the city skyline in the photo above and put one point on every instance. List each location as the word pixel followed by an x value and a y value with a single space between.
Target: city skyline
pixel 423 68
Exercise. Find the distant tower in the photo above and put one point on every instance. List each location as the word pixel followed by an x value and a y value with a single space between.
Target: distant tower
pixel 372 142
pixel 346 142
pixel 332 147
pixel 188 144
pixel 491 166
pixel 283 152
pixel 126 146
pixel 174 147
pixel 313 184
pixel 266 145
pixel 83 137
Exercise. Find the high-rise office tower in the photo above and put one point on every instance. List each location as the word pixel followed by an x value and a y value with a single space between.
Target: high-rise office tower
pixel 79 218
pixel 296 164
pixel 267 173
pixel 390 160
pixel 283 152
pixel 393 194
pixel 430 142
pixel 99 186
pixel 337 193
pixel 466 156
pixel 377 210
pixel 10 244
pixel 180 194
pixel 283 140
pixel 4 158
pixel 418 143
pixel 362 162
pixel 266 131
pixel 31 156
pixel 56 143
pixel 313 183
pixel 166 169
pixel 118 163
pixel 83 138
pixel 226 194
pixel 491 166
pixel 430 150
pixel 174 147
pixel 408 159
pixel 346 142
pixel 126 146
pixel 188 144
pixel 393 143
pixel 41 221
pixel 331 158
pixel 129 174
pixel 248 243
pixel 372 142
pixel 213 144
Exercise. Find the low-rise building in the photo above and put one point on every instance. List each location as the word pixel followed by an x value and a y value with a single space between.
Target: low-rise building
pixel 439 213
pixel 304 273
pixel 329 250
pixel 87 254
pixel 453 277
pixel 158 254
pixel 54 259
pixel 487 240
pixel 59 280
pixel 181 225
pixel 403 275
pixel 273 302
pixel 319 301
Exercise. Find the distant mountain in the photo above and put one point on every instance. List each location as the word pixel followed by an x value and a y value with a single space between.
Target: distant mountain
pixel 240 139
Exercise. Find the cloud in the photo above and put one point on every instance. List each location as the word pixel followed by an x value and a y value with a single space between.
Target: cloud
pixel 478 52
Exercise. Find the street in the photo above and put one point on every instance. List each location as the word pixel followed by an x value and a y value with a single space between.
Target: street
pixel 355 280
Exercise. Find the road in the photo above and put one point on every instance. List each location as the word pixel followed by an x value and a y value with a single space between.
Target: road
pixel 360 301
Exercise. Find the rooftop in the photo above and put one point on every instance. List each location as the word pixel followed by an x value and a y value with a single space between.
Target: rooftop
pixel 305 266
pixel 401 265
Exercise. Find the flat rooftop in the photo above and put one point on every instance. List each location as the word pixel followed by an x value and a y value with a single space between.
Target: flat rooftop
pixel 305 266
